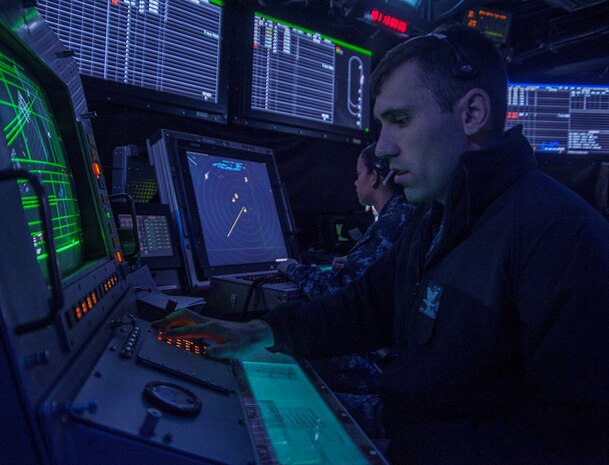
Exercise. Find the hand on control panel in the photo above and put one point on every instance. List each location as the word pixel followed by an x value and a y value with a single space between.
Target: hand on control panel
pixel 223 339
pixel 283 266
pixel 339 263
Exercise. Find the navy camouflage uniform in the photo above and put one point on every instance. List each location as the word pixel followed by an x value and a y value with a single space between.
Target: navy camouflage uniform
pixel 377 239
pixel 355 378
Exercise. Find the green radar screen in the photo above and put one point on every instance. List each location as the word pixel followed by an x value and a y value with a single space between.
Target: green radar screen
pixel 31 140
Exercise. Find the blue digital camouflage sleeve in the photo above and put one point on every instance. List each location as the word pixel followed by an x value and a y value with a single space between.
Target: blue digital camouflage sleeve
pixel 377 239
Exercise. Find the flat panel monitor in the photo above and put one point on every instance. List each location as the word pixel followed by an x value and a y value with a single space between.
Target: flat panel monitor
pixel 154 234
pixel 31 140
pixel 230 207
pixel 238 212
pixel 163 54
pixel 304 79
pixel 561 119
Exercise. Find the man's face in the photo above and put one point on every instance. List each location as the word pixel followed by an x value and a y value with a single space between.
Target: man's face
pixel 423 143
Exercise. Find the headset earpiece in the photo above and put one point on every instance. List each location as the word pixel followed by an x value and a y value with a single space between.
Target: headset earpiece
pixel 463 68
pixel 380 164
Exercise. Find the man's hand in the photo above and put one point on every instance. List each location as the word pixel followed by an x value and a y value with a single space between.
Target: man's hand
pixel 283 266
pixel 224 339
pixel 339 263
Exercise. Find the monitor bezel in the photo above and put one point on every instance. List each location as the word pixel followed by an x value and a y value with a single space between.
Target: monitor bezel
pixel 247 116
pixel 189 209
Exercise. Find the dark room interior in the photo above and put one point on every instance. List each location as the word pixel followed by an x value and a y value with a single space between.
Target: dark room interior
pixel 216 247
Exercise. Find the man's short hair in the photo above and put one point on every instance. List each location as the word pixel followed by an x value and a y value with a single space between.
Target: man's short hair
pixel 438 56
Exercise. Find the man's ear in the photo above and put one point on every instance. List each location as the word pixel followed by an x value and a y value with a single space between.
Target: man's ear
pixel 475 111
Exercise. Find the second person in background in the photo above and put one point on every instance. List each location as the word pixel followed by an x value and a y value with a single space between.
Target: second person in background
pixel 393 211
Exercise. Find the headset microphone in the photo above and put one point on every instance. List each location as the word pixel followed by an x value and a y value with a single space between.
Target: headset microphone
pixel 389 177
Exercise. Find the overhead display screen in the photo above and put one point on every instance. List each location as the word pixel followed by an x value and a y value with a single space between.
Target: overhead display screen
pixel 171 46
pixel 494 24
pixel 561 119
pixel 303 77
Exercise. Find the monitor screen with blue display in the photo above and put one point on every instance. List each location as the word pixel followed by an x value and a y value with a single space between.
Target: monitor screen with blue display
pixel 561 119
pixel 237 210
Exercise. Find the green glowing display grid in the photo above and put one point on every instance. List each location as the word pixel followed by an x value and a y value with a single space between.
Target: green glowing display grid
pixel 298 424
pixel 31 139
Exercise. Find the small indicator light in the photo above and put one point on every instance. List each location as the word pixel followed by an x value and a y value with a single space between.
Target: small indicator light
pixel 96 169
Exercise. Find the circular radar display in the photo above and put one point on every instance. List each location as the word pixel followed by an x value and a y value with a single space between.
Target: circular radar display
pixel 237 210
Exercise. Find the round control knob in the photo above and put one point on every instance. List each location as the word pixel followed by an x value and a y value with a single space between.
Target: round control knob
pixel 172 398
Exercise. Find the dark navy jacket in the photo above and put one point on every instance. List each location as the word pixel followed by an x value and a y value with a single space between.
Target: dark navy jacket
pixel 503 326
pixel 378 238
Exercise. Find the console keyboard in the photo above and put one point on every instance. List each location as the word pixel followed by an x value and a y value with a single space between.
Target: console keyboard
pixel 271 278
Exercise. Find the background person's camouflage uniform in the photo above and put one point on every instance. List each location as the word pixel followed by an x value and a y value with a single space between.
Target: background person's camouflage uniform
pixel 378 238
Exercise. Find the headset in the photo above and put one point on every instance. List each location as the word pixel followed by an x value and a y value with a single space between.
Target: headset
pixel 463 69
pixel 381 164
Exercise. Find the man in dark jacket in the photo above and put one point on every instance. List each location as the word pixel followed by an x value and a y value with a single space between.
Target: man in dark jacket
pixel 497 293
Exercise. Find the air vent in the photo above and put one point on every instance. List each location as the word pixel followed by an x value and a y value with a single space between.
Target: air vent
pixel 573 5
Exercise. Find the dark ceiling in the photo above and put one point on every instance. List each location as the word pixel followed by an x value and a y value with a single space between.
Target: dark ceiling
pixel 549 40
pixel 560 41
pixel 550 43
